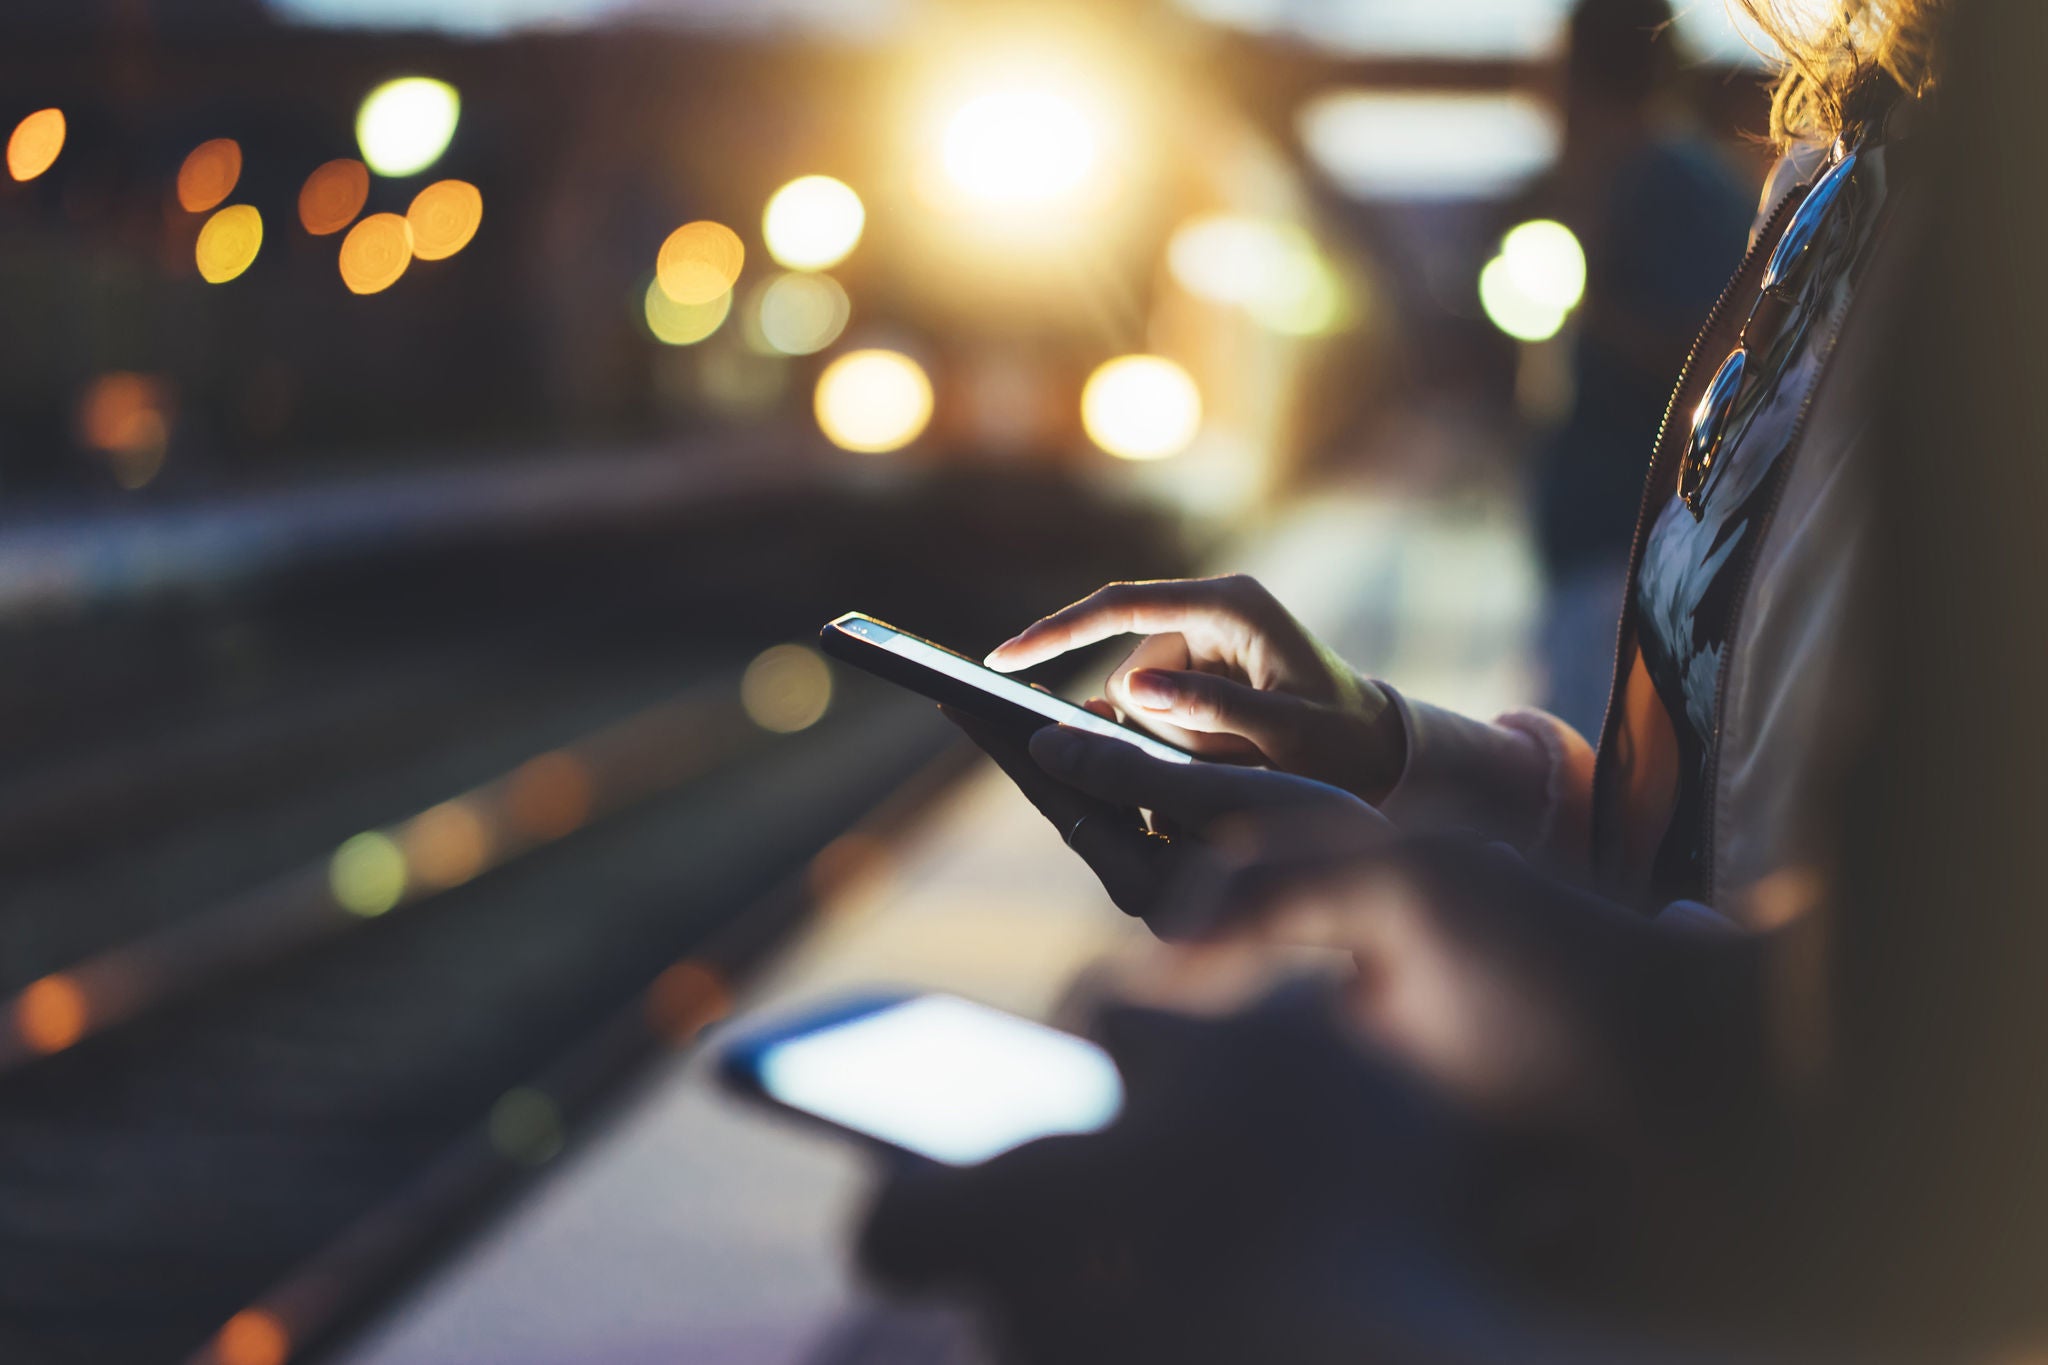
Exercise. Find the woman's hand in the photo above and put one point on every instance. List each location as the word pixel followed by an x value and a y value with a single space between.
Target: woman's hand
pixel 1092 789
pixel 1226 673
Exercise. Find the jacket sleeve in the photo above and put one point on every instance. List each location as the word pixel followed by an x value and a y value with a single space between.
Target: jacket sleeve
pixel 1525 779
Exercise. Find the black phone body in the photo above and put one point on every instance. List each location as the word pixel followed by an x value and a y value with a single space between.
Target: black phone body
pixel 926 1076
pixel 955 680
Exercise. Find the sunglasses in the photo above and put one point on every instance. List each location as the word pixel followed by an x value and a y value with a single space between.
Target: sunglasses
pixel 1788 278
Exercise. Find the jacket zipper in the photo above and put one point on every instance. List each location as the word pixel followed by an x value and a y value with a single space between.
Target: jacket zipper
pixel 1766 516
pixel 1765 240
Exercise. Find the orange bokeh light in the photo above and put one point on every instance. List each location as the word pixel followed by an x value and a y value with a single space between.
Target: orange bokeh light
pixel 35 144
pixel 686 998
pixel 333 195
pixel 375 253
pixel 252 1337
pixel 700 261
pixel 209 174
pixel 549 796
pixel 228 243
pixel 444 216
pixel 51 1014
pixel 447 845
pixel 127 418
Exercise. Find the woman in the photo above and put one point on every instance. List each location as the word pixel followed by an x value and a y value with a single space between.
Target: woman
pixel 1487 975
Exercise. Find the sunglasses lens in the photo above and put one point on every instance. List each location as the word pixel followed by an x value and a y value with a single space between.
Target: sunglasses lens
pixel 1795 247
pixel 1709 425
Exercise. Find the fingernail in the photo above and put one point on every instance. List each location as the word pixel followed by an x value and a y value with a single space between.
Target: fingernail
pixel 1150 689
pixel 994 658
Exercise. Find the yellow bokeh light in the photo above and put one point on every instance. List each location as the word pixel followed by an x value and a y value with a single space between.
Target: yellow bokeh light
pixel 228 243
pixel 1511 310
pixel 51 1014
pixel 444 216
pixel 405 125
pixel 447 845
pixel 812 223
pixel 375 253
pixel 1141 407
pixel 873 401
pixel 333 195
pixel 683 324
pixel 1547 264
pixel 1021 145
pixel 1272 270
pixel 367 874
pixel 801 314
pixel 209 174
pixel 786 688
pixel 700 261
pixel 252 1337
pixel 35 143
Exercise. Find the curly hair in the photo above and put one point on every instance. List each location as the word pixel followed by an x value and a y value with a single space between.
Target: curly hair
pixel 1840 68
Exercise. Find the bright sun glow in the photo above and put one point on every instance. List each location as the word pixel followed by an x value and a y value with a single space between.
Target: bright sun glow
pixel 405 125
pixel 873 401
pixel 812 223
pixel 1020 146
pixel 1531 287
pixel 1141 407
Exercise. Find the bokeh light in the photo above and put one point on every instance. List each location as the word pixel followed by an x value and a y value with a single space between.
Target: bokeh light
pixel 126 418
pixel 444 217
pixel 873 401
pixel 367 874
pixel 800 314
pixel 549 795
pixel 228 243
pixel 1546 263
pixel 252 1337
pixel 786 688
pixel 405 125
pixel 333 195
pixel 700 261
pixel 1141 407
pixel 209 175
pixel 812 223
pixel 525 1126
pixel 375 253
pixel 1531 287
pixel 683 324
pixel 447 845
pixel 51 1014
pixel 1272 270
pixel 1020 145
pixel 686 998
pixel 35 143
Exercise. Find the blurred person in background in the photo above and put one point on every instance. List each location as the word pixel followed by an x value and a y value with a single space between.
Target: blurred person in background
pixel 1662 217
pixel 1587 977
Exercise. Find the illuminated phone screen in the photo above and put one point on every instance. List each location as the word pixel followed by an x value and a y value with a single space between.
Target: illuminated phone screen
pixel 945 1078
pixel 1009 689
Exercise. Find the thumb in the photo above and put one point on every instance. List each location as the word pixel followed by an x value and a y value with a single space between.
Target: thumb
pixel 1276 723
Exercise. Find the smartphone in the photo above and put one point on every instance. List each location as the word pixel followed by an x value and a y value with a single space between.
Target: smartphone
pixel 933 1075
pixel 959 681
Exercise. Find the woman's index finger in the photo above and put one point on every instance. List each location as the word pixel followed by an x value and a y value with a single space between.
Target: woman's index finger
pixel 1119 609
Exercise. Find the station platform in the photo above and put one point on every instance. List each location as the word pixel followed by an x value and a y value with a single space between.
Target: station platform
pixel 692 1230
